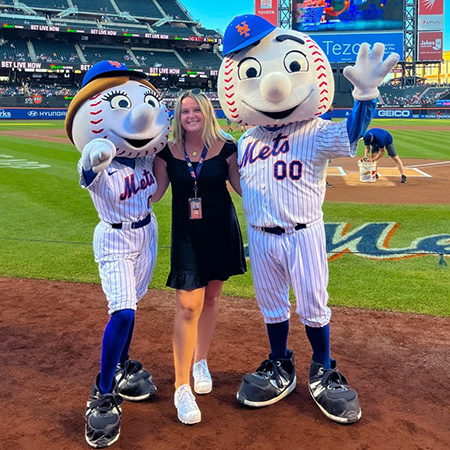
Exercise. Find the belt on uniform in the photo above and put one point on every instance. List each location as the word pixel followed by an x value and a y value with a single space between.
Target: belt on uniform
pixel 279 230
pixel 138 224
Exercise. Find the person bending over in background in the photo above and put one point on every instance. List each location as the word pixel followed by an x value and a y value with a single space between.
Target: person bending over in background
pixel 206 246
pixel 376 142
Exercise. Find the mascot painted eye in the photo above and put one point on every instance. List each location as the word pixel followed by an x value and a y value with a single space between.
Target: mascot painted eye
pixel 151 99
pixel 118 100
pixel 296 61
pixel 249 68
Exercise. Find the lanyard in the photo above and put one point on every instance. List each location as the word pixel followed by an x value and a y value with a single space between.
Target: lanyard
pixel 195 174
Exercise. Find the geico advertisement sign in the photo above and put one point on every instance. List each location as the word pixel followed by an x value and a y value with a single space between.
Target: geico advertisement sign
pixel 395 113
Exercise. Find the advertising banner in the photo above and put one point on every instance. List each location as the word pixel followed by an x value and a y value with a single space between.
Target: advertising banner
pixel 267 9
pixel 341 48
pixel 431 15
pixel 26 113
pixel 431 7
pixel 431 22
pixel 429 45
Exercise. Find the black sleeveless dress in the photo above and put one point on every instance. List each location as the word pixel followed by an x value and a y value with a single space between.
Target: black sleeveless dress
pixel 210 248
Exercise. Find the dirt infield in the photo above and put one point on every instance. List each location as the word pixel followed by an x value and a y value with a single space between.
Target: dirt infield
pixel 50 337
pixel 428 182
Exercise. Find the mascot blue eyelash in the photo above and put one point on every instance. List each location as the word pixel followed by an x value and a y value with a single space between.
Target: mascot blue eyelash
pixel 155 94
pixel 111 94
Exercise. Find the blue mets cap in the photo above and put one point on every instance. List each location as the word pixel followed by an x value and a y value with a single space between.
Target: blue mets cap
pixel 109 69
pixel 367 137
pixel 244 31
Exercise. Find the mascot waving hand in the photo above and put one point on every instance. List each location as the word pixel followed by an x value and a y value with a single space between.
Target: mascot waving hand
pixel 118 123
pixel 280 81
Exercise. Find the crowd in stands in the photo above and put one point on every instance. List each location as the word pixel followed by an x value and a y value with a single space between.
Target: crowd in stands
pixel 423 95
pixel 24 89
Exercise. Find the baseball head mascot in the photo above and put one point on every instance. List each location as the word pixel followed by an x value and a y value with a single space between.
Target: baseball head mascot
pixel 280 82
pixel 118 122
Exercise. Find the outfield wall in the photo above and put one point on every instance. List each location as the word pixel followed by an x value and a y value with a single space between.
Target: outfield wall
pixel 382 113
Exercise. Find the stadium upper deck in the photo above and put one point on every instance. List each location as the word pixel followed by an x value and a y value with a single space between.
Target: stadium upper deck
pixel 90 30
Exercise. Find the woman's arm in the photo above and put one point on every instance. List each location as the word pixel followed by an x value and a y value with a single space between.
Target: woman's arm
pixel 233 173
pixel 162 178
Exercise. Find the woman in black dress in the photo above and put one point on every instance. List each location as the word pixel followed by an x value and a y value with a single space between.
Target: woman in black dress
pixel 206 239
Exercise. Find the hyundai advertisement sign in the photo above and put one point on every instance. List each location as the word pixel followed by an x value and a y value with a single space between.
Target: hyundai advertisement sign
pixel 25 113
pixel 343 48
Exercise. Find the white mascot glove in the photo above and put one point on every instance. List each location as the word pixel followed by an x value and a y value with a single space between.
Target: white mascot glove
pixel 97 155
pixel 369 71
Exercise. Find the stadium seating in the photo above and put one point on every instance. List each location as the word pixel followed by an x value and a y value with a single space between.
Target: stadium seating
pixel 126 28
pixel 200 59
pixel 144 8
pixel 96 54
pixel 172 8
pixel 15 50
pixel 155 58
pixel 47 4
pixel 74 24
pixel 208 33
pixel 98 6
pixel 400 95
pixel 174 30
pixel 55 51
pixel 23 20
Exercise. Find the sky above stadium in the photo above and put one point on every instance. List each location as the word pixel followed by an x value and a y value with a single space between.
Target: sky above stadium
pixel 218 14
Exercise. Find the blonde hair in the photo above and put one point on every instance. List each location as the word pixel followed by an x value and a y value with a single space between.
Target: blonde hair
pixel 93 88
pixel 211 130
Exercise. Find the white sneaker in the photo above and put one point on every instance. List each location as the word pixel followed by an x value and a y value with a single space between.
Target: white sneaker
pixel 202 377
pixel 188 411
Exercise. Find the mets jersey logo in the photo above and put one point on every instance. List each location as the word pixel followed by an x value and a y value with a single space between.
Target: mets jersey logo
pixel 130 187
pixel 280 145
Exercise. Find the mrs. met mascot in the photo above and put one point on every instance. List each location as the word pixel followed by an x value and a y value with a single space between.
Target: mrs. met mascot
pixel 118 122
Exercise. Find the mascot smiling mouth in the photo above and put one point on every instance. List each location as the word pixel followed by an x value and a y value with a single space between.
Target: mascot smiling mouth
pixel 279 114
pixel 138 143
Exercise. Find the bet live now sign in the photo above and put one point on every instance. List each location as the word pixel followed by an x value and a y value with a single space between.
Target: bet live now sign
pixel 343 48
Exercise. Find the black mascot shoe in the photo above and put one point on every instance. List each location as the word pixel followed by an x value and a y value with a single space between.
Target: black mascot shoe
pixel 272 381
pixel 330 390
pixel 102 421
pixel 133 382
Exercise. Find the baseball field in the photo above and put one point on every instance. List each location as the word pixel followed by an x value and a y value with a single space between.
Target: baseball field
pixel 389 250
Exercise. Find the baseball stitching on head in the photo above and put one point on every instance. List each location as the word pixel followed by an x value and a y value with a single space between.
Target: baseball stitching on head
pixel 228 76
pixel 321 71
pixel 95 111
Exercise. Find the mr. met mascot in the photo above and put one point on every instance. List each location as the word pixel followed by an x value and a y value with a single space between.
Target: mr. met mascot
pixel 280 81
pixel 118 123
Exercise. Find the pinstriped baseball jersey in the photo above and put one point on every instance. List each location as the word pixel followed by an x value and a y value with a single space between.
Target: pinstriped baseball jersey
pixel 121 193
pixel 283 170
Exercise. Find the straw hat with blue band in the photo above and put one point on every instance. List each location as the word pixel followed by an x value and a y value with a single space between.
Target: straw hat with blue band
pixel 109 69
pixel 243 31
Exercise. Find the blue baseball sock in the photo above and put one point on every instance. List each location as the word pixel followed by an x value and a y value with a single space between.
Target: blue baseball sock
pixel 278 334
pixel 319 339
pixel 126 348
pixel 114 340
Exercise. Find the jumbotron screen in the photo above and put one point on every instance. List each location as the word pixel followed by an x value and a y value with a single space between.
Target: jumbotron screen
pixel 347 15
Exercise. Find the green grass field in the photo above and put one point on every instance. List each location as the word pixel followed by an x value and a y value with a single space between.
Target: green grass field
pixel 47 222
